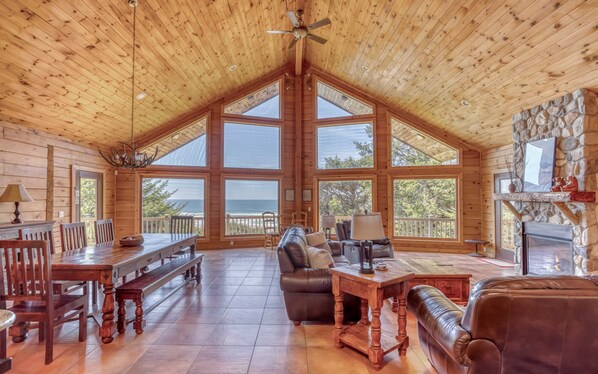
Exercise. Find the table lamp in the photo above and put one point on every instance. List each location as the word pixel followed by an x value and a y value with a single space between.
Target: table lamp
pixel 15 193
pixel 327 222
pixel 365 228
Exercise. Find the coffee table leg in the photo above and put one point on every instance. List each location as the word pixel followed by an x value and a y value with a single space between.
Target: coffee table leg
pixel 364 313
pixel 108 327
pixel 338 312
pixel 375 353
pixel 402 319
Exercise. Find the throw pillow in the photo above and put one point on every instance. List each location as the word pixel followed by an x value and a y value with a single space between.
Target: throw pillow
pixel 319 258
pixel 318 240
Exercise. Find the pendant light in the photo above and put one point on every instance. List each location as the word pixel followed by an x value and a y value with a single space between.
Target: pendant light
pixel 129 156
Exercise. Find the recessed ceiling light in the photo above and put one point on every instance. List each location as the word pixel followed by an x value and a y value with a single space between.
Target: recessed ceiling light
pixel 233 67
pixel 465 103
pixel 365 68
pixel 420 137
pixel 175 136
pixel 141 95
pixel 344 98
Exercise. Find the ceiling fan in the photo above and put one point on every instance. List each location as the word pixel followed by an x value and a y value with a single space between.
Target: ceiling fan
pixel 301 31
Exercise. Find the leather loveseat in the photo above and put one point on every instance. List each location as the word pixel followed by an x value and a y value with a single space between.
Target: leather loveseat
pixel 350 248
pixel 307 292
pixel 518 324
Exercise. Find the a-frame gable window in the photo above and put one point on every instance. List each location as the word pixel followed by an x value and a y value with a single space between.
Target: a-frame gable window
pixel 185 147
pixel 332 103
pixel 411 147
pixel 264 103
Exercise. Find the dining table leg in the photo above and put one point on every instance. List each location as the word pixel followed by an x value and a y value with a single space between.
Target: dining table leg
pixel 108 328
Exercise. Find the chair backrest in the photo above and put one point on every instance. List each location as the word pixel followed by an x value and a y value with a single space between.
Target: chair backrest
pixel 343 230
pixel 299 218
pixel 269 222
pixel 25 271
pixel 38 233
pixel 104 231
pixel 181 224
pixel 73 236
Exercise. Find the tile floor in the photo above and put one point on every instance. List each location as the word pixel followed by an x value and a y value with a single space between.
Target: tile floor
pixel 234 322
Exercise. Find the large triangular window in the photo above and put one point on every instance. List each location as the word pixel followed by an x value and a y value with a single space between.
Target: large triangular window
pixel 332 103
pixel 264 102
pixel 185 147
pixel 411 147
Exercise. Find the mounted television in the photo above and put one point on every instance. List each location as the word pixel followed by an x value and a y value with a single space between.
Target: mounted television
pixel 539 165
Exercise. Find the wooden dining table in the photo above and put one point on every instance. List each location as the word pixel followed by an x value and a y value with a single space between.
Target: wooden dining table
pixel 106 263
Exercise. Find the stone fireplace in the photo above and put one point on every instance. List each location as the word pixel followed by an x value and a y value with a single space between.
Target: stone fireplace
pixel 573 120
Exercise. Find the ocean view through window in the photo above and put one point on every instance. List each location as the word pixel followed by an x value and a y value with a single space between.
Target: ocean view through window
pixel 245 201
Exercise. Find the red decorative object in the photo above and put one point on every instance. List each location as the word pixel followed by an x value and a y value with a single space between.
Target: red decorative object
pixel 570 184
pixel 557 184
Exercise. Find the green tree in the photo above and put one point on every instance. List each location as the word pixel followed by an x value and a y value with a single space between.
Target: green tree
pixel 155 199
pixel 88 196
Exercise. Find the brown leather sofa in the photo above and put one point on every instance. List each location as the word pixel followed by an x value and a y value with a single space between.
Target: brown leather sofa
pixel 307 292
pixel 350 248
pixel 518 324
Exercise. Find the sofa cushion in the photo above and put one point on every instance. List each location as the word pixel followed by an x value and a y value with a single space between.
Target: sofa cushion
pixel 295 245
pixel 306 280
pixel 319 258
pixel 318 240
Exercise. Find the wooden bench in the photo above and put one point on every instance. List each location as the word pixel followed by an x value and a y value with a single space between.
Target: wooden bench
pixel 187 265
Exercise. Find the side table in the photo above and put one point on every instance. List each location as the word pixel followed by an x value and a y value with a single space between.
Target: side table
pixel 373 289
pixel 7 318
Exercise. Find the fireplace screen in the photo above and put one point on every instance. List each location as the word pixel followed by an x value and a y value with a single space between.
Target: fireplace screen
pixel 547 249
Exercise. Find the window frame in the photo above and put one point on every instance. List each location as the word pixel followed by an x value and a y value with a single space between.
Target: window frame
pixel 252 170
pixel 223 179
pixel 338 178
pixel 170 132
pixel 156 174
pixel 427 132
pixel 458 177
pixel 337 123
pixel 349 92
pixel 249 91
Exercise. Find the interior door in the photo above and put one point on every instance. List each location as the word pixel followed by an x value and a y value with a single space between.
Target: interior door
pixel 504 221
pixel 89 200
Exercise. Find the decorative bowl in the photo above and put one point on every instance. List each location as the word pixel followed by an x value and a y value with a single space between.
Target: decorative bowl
pixel 131 241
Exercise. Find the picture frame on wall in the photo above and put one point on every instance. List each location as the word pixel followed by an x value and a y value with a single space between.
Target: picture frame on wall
pixel 306 195
pixel 289 195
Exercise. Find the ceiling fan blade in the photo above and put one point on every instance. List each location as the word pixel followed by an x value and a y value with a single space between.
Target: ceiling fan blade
pixel 293 18
pixel 316 38
pixel 293 43
pixel 278 32
pixel 320 23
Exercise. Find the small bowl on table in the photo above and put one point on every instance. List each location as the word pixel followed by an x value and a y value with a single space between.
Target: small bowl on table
pixel 131 241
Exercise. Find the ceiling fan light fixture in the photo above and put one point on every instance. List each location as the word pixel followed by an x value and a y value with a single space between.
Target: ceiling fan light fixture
pixel 141 95
pixel 466 103
pixel 232 67
pixel 365 68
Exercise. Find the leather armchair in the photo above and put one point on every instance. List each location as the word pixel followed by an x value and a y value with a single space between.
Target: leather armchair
pixel 519 324
pixel 307 292
pixel 380 249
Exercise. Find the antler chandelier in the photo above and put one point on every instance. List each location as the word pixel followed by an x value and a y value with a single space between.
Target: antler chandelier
pixel 130 157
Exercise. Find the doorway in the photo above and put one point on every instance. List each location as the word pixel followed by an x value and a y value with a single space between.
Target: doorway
pixel 504 221
pixel 89 200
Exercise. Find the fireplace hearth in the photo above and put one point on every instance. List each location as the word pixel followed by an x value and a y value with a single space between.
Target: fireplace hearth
pixel 547 249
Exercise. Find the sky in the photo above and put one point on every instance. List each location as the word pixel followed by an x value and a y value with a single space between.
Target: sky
pixel 258 146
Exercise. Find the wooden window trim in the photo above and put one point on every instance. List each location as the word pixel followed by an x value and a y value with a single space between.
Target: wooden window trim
pixel 74 169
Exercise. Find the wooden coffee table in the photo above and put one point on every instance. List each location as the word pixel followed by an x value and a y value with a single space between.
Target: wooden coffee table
pixel 373 289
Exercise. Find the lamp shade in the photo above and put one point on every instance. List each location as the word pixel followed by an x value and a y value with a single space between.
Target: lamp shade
pixel 367 227
pixel 15 193
pixel 328 221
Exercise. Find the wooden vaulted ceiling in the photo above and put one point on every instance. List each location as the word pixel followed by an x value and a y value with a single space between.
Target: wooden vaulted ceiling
pixel 65 66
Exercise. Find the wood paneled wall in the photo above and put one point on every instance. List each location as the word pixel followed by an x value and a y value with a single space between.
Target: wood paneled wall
pixel 493 162
pixel 43 163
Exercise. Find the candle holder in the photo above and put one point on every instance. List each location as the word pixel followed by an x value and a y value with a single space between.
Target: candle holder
pixel 366 265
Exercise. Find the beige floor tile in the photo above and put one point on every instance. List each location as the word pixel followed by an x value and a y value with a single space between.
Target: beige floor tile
pixel 275 317
pixel 201 315
pixel 248 302
pixel 281 335
pixel 279 360
pixel 183 334
pixel 253 290
pixel 242 316
pixel 275 302
pixel 233 335
pixel 257 282
pixel 31 358
pixel 212 301
pixel 222 360
pixel 319 335
pixel 109 358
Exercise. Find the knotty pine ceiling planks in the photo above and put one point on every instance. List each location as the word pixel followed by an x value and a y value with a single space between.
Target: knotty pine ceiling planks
pixel 65 66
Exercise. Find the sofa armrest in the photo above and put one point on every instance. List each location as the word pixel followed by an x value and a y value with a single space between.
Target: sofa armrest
pixel 442 320
pixel 336 247
pixel 306 280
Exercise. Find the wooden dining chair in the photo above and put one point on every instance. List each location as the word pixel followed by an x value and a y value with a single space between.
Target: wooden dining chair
pixel 60 287
pixel 26 280
pixel 271 232
pixel 74 236
pixel 300 218
pixel 181 225
pixel 104 229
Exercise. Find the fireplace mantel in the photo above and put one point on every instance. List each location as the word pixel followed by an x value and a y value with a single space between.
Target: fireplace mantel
pixel 558 199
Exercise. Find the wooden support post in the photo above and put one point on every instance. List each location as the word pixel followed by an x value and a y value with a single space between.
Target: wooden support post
pixel 567 213
pixel 510 206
